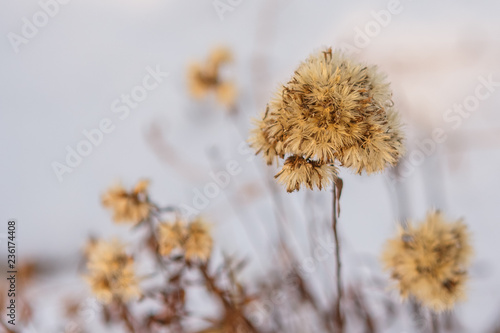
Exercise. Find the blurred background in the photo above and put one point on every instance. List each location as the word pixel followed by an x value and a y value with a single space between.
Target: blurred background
pixel 69 73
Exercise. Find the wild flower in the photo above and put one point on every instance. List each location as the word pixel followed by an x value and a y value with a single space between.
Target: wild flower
pixel 193 239
pixel 111 274
pixel 333 109
pixel 171 236
pixel 206 77
pixel 298 171
pixel 129 207
pixel 199 242
pixel 429 261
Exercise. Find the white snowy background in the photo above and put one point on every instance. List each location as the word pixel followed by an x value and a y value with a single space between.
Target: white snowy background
pixel 64 79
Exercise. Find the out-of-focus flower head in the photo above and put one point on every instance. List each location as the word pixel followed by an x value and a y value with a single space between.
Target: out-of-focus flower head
pixel 199 241
pixel 171 236
pixel 429 261
pixel 111 273
pixel 193 239
pixel 206 77
pixel 128 207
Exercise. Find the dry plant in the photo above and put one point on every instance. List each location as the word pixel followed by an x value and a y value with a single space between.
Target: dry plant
pixel 179 248
pixel 182 253
pixel 332 111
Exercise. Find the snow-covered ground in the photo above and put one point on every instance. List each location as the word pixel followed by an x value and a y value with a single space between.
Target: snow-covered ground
pixel 65 76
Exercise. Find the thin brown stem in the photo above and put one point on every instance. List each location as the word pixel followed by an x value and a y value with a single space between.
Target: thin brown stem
pixel 434 322
pixel 222 295
pixel 156 243
pixel 127 317
pixel 213 287
pixel 340 321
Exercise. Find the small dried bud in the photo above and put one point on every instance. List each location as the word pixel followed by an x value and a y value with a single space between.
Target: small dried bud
pixel 199 242
pixel 171 236
pixel 203 78
pixel 128 206
pixel 298 171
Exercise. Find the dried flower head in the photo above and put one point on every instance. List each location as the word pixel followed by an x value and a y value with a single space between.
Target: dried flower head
pixel 171 236
pixel 131 206
pixel 193 239
pixel 203 78
pixel 198 243
pixel 111 272
pixel 430 261
pixel 298 171
pixel 332 109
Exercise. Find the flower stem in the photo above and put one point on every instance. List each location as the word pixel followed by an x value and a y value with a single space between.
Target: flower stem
pixel 339 318
pixel 126 316
pixel 434 322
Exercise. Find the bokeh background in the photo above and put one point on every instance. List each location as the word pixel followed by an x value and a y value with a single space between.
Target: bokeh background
pixel 65 78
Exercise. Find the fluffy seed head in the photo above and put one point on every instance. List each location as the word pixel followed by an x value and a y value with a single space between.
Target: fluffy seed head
pixel 429 261
pixel 199 243
pixel 298 171
pixel 131 207
pixel 192 239
pixel 111 272
pixel 332 109
pixel 171 236
pixel 206 77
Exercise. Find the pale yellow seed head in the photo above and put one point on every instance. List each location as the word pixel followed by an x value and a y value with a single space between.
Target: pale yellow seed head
pixel 171 236
pixel 111 272
pixel 206 77
pixel 128 207
pixel 199 242
pixel 297 172
pixel 332 110
pixel 429 261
